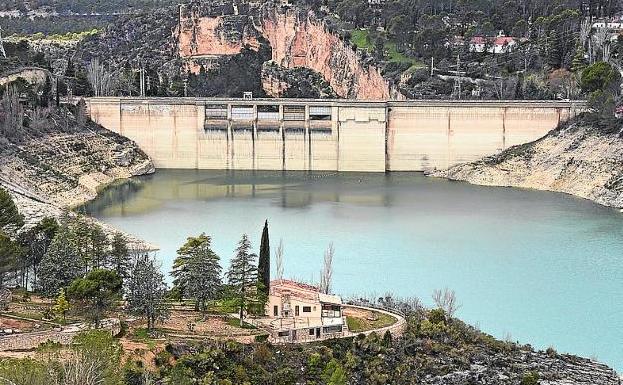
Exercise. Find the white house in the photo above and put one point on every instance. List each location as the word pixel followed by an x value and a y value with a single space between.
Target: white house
pixel 497 45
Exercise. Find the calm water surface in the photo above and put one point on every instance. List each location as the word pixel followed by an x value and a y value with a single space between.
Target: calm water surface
pixel 544 268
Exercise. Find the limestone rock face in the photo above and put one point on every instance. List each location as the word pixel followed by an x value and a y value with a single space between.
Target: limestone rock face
pixel 577 160
pixel 297 38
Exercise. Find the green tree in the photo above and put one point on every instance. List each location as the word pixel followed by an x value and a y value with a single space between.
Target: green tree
pixel 600 76
pixel 36 242
pixel 96 293
pixel 120 255
pixel 334 374
pixel 263 265
pixel 10 218
pixel 61 306
pixel 197 271
pixel 146 292
pixel 61 264
pixel 601 82
pixel 10 253
pixel 242 274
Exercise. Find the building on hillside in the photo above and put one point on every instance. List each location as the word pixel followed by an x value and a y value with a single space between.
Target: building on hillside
pixel 300 312
pixel 497 45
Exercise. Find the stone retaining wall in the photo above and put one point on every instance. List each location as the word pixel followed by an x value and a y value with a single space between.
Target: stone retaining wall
pixel 30 341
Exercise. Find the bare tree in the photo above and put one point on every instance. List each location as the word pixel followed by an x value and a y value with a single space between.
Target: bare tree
pixel 605 52
pixel 2 51
pixel 279 260
pixel 326 275
pixel 585 32
pixel 599 41
pixel 101 80
pixel 13 113
pixel 39 118
pixel 446 300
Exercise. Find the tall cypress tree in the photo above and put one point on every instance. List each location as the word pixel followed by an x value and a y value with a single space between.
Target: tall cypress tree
pixel 263 266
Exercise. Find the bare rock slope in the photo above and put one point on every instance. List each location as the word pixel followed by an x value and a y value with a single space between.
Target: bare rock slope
pixel 576 159
pixel 49 171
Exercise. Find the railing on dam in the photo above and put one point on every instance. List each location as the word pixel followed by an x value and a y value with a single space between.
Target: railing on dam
pixel 326 134
pixel 578 104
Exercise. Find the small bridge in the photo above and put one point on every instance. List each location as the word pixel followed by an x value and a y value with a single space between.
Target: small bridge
pixel 332 135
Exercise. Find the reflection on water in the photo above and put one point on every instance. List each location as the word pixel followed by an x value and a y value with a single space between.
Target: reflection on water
pixel 290 189
pixel 543 267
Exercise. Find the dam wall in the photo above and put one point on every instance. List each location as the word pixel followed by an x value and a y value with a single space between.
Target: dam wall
pixel 332 135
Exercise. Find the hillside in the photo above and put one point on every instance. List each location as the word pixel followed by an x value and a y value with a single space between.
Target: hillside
pixel 59 162
pixel 582 158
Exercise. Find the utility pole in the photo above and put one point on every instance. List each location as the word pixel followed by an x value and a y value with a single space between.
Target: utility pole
pixel 142 80
pixel 432 66
pixel 2 51
pixel 458 79
pixel 185 87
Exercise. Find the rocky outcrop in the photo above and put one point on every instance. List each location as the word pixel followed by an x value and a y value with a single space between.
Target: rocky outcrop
pixel 509 368
pixel 300 82
pixel 297 38
pixel 576 159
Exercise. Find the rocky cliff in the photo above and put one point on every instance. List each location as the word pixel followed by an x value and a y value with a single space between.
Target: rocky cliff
pixel 576 159
pixel 297 38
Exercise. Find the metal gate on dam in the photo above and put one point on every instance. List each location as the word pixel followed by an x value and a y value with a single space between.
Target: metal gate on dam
pixel 335 135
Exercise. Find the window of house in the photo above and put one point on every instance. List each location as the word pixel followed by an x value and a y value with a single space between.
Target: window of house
pixel 311 332
pixel 275 310
pixel 306 309
pixel 285 333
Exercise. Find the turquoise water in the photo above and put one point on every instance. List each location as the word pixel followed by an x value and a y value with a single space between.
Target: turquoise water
pixel 542 268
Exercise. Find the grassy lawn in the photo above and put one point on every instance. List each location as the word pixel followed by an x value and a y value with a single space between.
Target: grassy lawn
pixel 399 57
pixel 358 325
pixel 361 39
pixel 236 323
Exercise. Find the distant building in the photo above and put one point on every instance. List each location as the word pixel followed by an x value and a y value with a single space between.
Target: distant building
pixel 497 45
pixel 300 312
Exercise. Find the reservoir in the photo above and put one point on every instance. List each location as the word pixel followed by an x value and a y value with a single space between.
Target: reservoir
pixel 536 267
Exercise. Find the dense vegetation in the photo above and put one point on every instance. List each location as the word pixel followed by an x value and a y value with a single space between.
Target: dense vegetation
pixel 555 42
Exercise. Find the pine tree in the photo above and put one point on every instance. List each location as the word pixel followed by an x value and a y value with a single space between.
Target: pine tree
pixel 263 266
pixel 61 305
pixel 579 61
pixel 61 264
pixel 96 293
pixel 120 256
pixel 242 274
pixel 10 218
pixel 197 271
pixel 146 292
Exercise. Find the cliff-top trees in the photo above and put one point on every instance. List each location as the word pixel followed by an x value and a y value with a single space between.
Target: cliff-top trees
pixel 242 274
pixel 146 292
pixel 197 271
pixel 263 265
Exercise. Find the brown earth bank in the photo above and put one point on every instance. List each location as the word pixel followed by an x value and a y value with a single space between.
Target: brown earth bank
pixel 581 158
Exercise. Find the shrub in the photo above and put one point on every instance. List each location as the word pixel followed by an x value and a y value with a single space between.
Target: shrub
pixel 530 378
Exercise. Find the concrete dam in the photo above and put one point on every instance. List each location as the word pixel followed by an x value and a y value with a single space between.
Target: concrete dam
pixel 331 135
